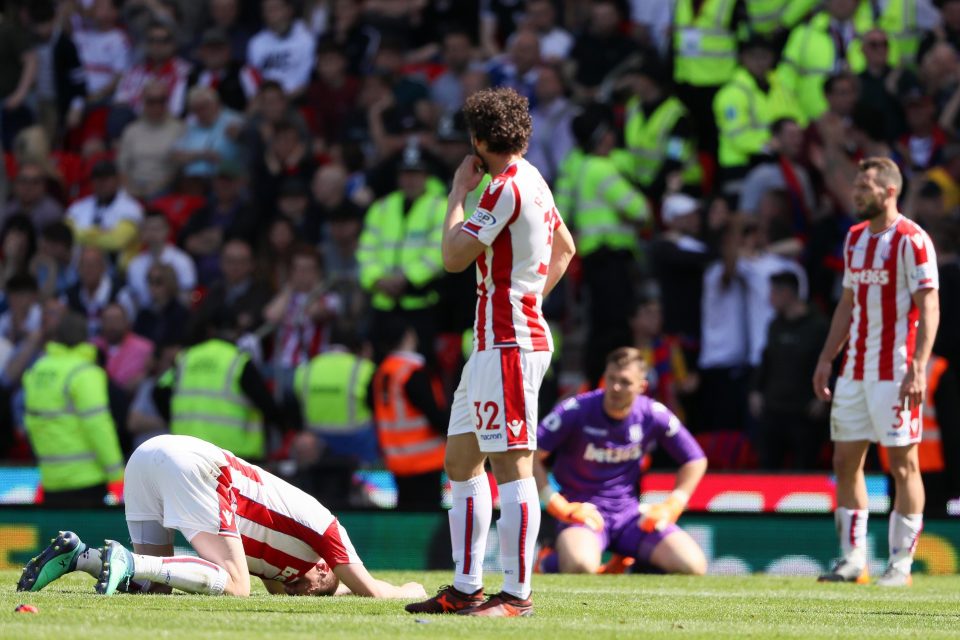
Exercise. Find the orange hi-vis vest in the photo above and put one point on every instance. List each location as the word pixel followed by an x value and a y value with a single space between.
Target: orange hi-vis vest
pixel 410 445
pixel 930 450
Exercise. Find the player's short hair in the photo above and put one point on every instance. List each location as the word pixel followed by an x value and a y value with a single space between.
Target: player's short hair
pixel 888 173
pixel 623 357
pixel 500 118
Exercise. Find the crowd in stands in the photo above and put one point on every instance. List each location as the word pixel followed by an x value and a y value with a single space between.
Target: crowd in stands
pixel 251 164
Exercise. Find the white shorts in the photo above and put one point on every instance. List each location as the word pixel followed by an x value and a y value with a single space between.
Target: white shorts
pixel 179 489
pixel 497 398
pixel 868 410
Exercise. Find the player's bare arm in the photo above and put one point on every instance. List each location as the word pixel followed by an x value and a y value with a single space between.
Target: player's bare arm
pixel 839 331
pixel 914 383
pixel 562 253
pixel 460 250
pixel 358 580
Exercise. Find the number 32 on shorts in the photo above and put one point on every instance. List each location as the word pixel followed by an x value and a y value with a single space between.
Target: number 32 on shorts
pixel 487 413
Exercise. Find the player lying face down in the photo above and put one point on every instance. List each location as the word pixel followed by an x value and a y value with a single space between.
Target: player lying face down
pixel 241 520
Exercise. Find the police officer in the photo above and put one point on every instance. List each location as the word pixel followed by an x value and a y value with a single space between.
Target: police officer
pixel 658 134
pixel 411 425
pixel 746 107
pixel 606 211
pixel 399 253
pixel 215 392
pixel 68 421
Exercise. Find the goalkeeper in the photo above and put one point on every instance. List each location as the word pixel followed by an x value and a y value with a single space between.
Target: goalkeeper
pixel 596 441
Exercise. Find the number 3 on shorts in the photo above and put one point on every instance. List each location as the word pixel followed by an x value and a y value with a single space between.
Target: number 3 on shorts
pixel 487 410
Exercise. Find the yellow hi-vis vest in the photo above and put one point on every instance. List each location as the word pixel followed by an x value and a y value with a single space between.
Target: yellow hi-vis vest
pixel 744 114
pixel 704 45
pixel 68 419
pixel 208 403
pixel 332 390
pixel 649 144
pixel 811 56
pixel 766 16
pixel 409 245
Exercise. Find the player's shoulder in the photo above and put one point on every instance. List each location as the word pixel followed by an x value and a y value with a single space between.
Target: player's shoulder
pixel 500 191
pixel 910 229
pixel 857 229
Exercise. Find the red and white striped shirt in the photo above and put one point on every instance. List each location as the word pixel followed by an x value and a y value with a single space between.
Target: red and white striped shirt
pixel 516 218
pixel 285 532
pixel 884 270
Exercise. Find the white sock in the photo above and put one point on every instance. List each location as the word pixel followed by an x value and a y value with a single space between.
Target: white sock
pixel 470 518
pixel 852 529
pixel 517 529
pixel 903 535
pixel 186 573
pixel 89 561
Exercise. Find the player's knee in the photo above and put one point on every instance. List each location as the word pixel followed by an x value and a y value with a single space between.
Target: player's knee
pixel 844 465
pixel 692 564
pixel 574 564
pixel 905 468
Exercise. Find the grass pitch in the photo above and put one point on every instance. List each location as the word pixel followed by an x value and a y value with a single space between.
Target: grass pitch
pixel 583 607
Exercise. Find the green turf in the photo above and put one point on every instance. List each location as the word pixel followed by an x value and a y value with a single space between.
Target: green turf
pixel 584 607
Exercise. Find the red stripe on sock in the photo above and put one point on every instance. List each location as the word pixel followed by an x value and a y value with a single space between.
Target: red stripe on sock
pixel 468 537
pixel 853 526
pixel 522 573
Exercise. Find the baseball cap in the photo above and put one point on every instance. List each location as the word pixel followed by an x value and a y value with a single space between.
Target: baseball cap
pixel 412 158
pixel 677 205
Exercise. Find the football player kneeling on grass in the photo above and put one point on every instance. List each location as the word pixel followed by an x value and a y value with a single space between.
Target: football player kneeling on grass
pixel 241 521
pixel 596 441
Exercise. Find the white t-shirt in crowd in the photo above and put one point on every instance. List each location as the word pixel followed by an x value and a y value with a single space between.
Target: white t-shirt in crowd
pixel 286 59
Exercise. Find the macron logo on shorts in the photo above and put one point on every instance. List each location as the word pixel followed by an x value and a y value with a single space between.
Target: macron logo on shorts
pixel 515 427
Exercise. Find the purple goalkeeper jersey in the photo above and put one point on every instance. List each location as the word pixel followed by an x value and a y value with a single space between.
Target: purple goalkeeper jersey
pixel 597 459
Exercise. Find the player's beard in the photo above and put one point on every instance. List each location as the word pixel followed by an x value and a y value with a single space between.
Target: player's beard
pixel 483 162
pixel 870 209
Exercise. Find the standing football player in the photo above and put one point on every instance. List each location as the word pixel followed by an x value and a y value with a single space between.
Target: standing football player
pixel 887 315
pixel 596 441
pixel 241 520
pixel 522 249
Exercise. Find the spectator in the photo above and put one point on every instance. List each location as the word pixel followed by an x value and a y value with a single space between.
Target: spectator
pixel 782 170
pixel 408 92
pixel 555 41
pixel 830 148
pixel 342 224
pixel 155 233
pixel 679 258
pixel 399 252
pixel 668 377
pixel 275 252
pixel 228 215
pixel 745 108
pixel 946 176
pixel 293 203
pixel 126 354
pixel 146 157
pixel 225 16
pixel 237 300
pixel 236 83
pixel 162 65
pixel 920 148
pixel 18 243
pixel 352 35
pixel 552 138
pixel 60 88
pixel 882 85
pixel 94 289
pixel 18 72
pixel 792 421
pixel 332 94
pixel 600 49
pixel 53 264
pixel 302 313
pixel 143 419
pixel 22 315
pixel 287 157
pixel 661 146
pixel 283 50
pixel 271 108
pixel 164 320
pixel 518 69
pixel 210 137
pixel 108 219
pixel 30 198
pixel 104 51
pixel 607 213
pixel 447 90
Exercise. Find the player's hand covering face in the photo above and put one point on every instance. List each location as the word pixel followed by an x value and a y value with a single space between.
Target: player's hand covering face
pixel 468 174
pixel 319 581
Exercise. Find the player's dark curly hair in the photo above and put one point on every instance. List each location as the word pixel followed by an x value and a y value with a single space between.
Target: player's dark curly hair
pixel 500 118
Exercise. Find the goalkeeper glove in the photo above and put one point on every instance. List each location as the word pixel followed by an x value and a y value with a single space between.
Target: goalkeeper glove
pixel 571 512
pixel 658 517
